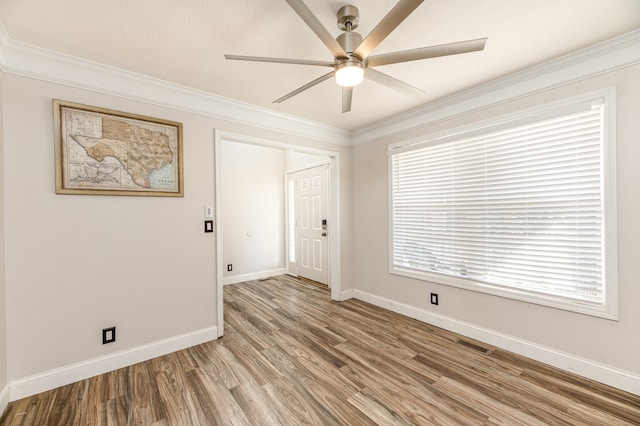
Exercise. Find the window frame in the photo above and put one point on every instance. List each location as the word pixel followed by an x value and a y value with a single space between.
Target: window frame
pixel 609 308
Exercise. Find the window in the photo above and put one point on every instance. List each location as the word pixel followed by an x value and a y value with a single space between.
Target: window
pixel 522 208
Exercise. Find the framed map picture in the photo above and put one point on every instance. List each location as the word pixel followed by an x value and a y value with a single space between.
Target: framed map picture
pixel 104 152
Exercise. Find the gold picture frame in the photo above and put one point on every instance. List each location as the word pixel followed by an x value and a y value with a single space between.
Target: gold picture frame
pixel 100 151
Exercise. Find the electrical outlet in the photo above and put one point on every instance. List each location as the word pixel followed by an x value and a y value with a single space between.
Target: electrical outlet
pixel 434 298
pixel 229 267
pixel 108 335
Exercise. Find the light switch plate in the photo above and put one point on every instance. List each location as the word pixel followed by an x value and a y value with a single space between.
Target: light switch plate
pixel 208 212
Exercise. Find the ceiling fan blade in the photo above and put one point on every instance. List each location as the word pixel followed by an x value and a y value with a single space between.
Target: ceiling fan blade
pixel 347 95
pixel 316 26
pixel 427 52
pixel 305 87
pixel 391 82
pixel 280 60
pixel 389 23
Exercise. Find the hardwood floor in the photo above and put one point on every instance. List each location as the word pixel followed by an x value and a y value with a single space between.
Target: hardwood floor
pixel 290 356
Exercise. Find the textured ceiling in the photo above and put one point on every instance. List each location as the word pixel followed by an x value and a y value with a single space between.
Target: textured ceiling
pixel 184 42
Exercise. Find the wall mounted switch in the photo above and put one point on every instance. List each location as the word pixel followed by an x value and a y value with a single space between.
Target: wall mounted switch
pixel 208 212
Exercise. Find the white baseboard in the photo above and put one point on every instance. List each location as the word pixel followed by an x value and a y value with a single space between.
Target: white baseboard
pixel 4 399
pixel 52 379
pixel 253 276
pixel 347 294
pixel 627 381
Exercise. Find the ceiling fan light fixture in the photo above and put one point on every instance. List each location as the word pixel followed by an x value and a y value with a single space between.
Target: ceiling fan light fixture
pixel 349 73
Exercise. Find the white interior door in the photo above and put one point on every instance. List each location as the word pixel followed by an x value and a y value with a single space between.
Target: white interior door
pixel 311 210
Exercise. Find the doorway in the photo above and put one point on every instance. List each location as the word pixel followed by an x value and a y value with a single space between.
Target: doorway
pixel 333 184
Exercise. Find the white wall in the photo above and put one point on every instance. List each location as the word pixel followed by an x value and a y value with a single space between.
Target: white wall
pixel 252 211
pixel 77 264
pixel 4 395
pixel 294 160
pixel 576 339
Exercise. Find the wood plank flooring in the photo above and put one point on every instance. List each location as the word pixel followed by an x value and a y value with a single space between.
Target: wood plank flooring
pixel 290 356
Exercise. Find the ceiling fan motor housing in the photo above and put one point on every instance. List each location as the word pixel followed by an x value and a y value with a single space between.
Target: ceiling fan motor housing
pixel 349 41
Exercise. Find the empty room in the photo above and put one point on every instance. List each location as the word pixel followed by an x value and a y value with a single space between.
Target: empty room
pixel 317 212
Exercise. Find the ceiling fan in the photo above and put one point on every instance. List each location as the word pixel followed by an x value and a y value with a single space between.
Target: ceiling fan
pixel 351 52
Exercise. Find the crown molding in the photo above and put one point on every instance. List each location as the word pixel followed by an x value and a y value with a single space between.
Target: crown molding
pixel 616 53
pixel 42 64
pixel 31 61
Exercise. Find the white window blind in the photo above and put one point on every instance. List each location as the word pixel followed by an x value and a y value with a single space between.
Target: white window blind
pixel 517 208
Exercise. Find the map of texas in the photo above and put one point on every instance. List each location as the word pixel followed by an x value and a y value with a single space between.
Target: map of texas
pixel 139 150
